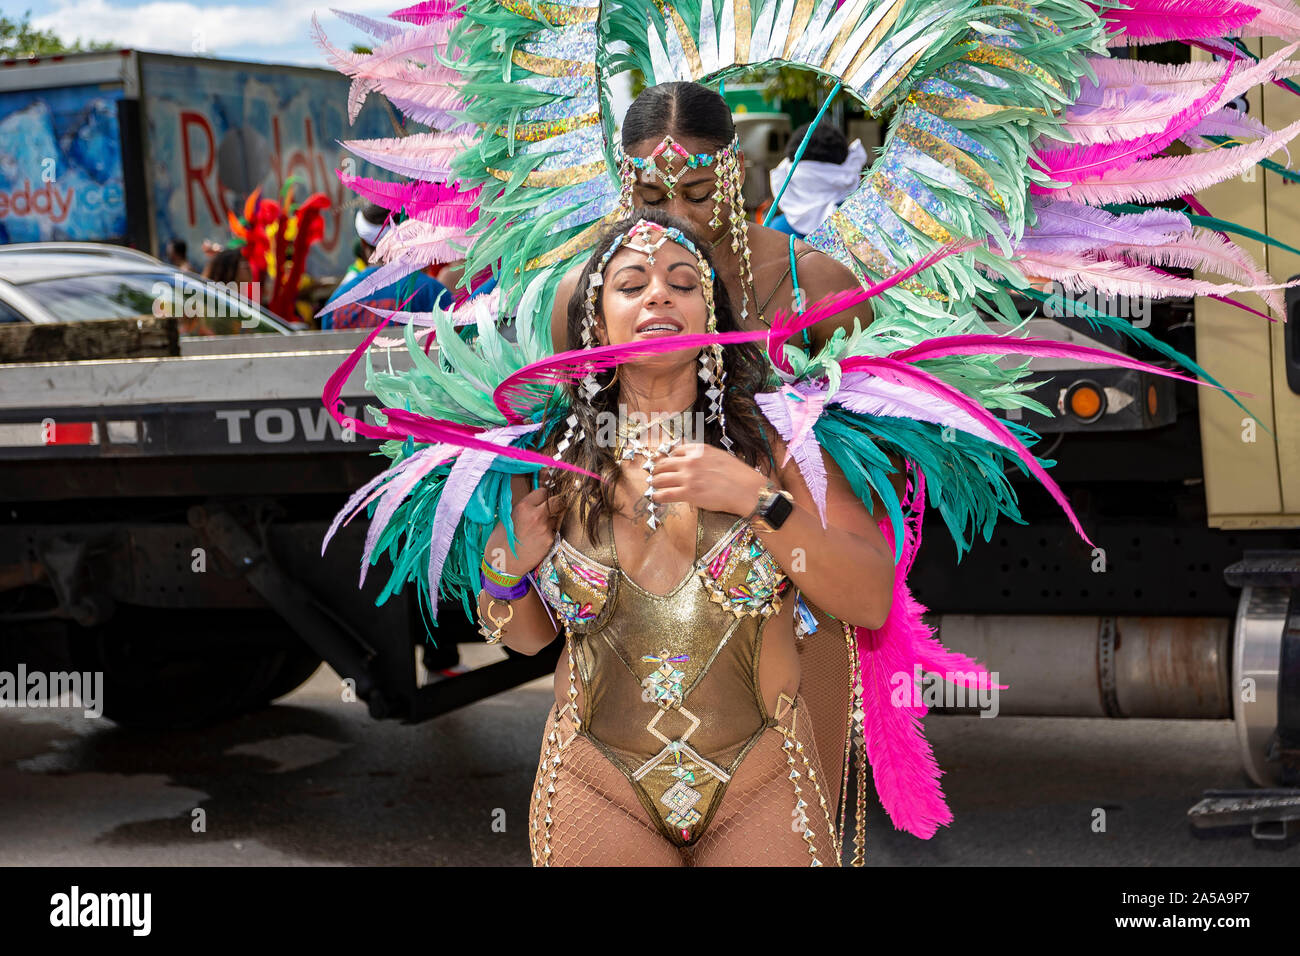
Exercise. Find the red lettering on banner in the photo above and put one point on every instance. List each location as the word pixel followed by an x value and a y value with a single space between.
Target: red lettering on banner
pixel 275 152
pixel 45 202
pixel 198 175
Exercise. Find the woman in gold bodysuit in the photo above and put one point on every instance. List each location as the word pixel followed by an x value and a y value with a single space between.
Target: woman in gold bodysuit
pixel 677 735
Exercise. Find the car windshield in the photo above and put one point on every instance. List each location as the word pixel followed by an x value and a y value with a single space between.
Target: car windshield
pixel 201 308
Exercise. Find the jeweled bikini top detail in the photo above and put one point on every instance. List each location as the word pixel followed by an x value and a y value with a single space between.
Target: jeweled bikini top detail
pixel 738 573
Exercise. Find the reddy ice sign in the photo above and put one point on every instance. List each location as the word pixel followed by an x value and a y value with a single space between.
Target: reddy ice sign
pixel 218 130
pixel 61 165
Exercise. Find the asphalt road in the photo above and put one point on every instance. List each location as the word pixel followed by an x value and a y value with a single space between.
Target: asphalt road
pixel 315 781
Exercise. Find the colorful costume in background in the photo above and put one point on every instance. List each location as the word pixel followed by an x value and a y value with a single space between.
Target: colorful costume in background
pixel 276 238
pixel 1017 147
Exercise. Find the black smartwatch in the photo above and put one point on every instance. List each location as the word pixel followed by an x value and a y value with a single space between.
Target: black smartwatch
pixel 774 507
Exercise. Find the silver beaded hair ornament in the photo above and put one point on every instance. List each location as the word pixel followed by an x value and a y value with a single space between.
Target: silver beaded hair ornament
pixel 726 165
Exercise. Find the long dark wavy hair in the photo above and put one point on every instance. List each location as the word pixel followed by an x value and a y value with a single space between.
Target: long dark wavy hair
pixel 746 370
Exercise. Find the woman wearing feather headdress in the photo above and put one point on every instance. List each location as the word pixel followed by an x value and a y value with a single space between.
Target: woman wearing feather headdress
pixel 675 584
pixel 679 154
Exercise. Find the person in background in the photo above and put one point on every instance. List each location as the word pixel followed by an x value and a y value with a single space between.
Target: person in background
pixel 828 173
pixel 359 263
pixel 228 265
pixel 371 224
pixel 177 254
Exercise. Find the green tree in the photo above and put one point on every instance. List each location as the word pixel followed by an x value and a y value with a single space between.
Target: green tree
pixel 20 40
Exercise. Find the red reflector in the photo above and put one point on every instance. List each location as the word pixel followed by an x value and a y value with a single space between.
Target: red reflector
pixel 70 433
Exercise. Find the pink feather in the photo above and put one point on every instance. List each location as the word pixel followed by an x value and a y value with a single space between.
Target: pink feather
pixel 1204 250
pixel 460 485
pixel 899 371
pixel 902 763
pixel 1154 21
pixel 1048 348
pixel 1152 180
pixel 376 28
pixel 346 63
pixel 341 60
pixel 435 107
pixel 366 493
pixel 1276 19
pixel 1075 227
pixel 420 155
pixel 415 197
pixel 1134 98
pixel 1086 161
pixel 780 407
pixel 903 767
pixel 786 325
pixel 428 10
pixel 395 493
pixel 869 395
pixel 1228 300
pixel 410 245
pixel 1231 123
pixel 1084 272
pixel 531 383
pixel 402 424
pixel 410 58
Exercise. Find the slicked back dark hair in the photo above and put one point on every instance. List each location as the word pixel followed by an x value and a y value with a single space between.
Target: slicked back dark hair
pixel 678 109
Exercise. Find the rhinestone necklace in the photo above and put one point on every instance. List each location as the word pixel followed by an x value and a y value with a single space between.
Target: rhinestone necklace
pixel 630 446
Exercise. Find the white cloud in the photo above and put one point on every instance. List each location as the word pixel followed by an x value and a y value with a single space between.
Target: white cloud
pixel 273 31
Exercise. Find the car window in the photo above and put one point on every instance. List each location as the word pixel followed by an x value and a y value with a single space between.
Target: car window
pixel 201 308
pixel 9 314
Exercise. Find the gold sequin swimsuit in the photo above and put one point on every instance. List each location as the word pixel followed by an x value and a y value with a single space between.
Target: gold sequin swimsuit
pixel 671 682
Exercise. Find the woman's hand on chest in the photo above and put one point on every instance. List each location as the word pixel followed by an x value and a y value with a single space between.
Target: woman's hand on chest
pixel 707 477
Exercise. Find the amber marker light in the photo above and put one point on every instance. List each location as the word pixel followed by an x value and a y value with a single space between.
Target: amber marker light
pixel 1085 401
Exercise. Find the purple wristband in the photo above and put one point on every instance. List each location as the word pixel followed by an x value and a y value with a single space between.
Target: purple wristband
pixel 504 593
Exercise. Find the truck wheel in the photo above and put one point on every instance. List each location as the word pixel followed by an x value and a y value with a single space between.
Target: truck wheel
pixel 181 669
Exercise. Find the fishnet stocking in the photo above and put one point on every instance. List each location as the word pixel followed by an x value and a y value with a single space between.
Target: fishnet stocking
pixel 597 820
pixel 756 823
pixel 824 684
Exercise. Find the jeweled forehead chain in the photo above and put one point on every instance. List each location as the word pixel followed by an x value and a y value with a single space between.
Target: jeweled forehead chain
pixel 646 237
pixel 726 164
pixel 670 148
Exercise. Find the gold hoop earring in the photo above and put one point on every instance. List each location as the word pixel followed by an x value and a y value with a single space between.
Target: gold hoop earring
pixel 612 380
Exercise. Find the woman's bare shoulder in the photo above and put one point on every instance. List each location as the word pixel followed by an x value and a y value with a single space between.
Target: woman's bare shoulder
pixel 822 271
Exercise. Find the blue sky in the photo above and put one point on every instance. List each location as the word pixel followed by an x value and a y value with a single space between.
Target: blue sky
pixel 272 31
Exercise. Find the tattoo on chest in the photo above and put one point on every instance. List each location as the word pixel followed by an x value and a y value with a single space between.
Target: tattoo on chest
pixel 641 510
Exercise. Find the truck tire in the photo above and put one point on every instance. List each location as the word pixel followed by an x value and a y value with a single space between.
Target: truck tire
pixel 168 669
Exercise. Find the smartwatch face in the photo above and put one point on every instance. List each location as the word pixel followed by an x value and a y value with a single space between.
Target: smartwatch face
pixel 778 511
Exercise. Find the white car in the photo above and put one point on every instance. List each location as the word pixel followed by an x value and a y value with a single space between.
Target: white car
pixel 45 282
